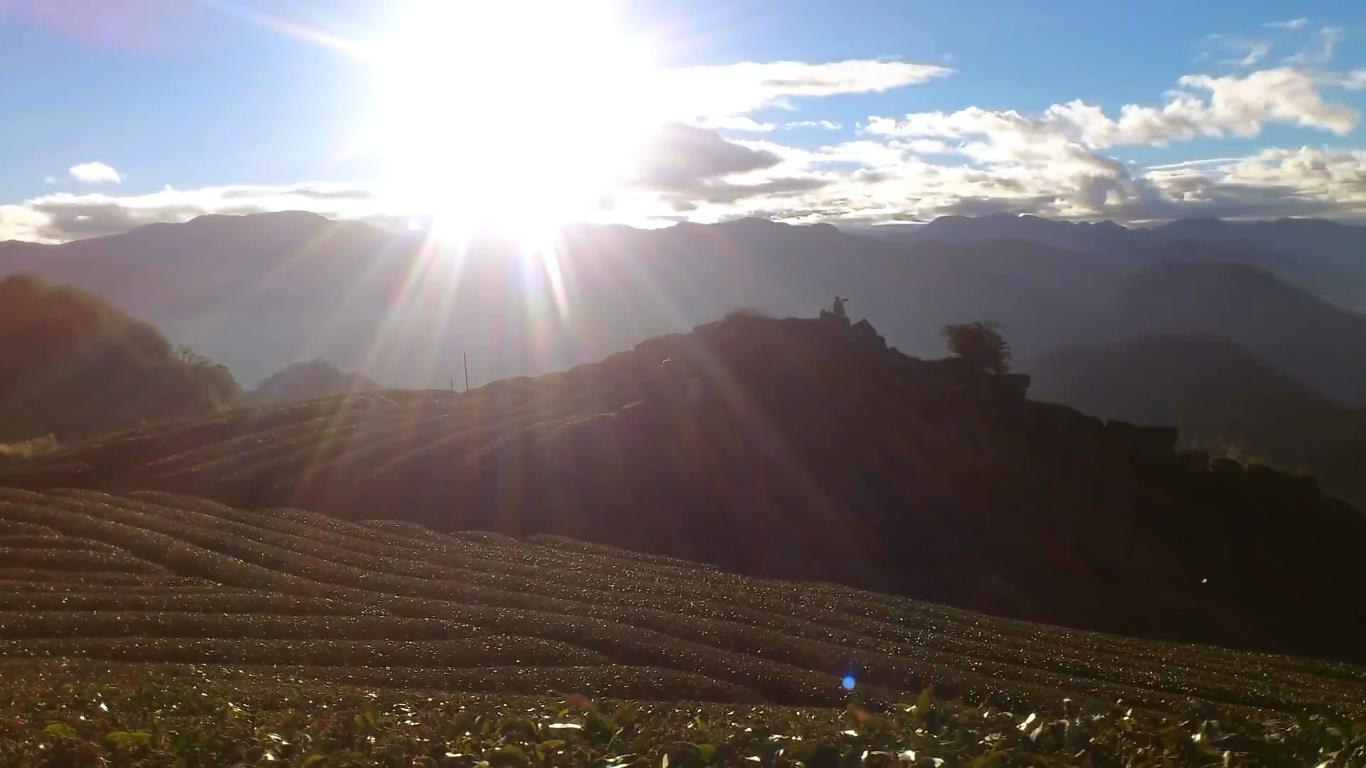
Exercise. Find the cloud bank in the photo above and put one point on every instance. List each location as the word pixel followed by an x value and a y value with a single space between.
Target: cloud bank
pixel 67 216
pixel 726 151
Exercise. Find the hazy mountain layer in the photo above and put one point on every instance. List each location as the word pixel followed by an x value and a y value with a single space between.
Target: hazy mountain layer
pixel 1322 257
pixel 260 292
pixel 307 381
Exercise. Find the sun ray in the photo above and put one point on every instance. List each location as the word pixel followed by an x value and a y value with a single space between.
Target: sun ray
pixel 286 27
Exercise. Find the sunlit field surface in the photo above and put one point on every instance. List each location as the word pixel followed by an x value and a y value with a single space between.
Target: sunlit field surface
pixel 164 625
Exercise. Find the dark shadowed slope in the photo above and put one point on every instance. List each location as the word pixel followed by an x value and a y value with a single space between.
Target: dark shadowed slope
pixel 1224 399
pixel 805 449
pixel 73 366
pixel 156 583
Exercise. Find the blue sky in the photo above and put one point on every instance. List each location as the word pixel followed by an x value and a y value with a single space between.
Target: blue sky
pixel 178 107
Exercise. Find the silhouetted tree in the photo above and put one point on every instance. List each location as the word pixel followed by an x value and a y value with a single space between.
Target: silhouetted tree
pixel 980 345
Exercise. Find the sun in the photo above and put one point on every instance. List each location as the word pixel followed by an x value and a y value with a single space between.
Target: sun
pixel 510 116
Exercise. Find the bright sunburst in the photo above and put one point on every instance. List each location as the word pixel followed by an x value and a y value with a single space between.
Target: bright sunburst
pixel 509 116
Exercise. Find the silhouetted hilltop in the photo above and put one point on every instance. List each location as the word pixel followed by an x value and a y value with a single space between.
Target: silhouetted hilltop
pixel 806 449
pixel 1223 398
pixel 72 365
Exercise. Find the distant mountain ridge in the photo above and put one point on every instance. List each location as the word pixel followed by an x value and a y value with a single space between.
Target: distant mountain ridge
pixel 259 292
pixel 1324 257
pixel 1223 398
pixel 308 380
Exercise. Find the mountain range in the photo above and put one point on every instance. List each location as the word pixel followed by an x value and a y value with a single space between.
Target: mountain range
pixel 259 292
pixel 1323 257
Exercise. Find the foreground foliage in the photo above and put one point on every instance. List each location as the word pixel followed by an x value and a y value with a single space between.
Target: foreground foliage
pixel 173 580
pixel 82 715
pixel 152 630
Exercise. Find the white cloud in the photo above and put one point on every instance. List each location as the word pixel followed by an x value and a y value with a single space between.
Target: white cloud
pixel 925 146
pixel 1256 51
pixel 65 216
pixel 1274 182
pixel 896 186
pixel 1354 80
pixel 862 153
pixel 1322 50
pixel 1285 95
pixel 1199 163
pixel 1246 51
pixel 698 93
pixel 917 166
pixel 1338 176
pixel 1206 106
pixel 738 123
pixel 682 157
pixel 1053 163
pixel 859 181
pixel 684 167
pixel 95 173
pixel 1291 24
pixel 21 222
pixel 824 125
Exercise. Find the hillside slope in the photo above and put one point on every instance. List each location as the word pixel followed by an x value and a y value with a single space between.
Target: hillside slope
pixel 804 449
pixel 1222 397
pixel 159 582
